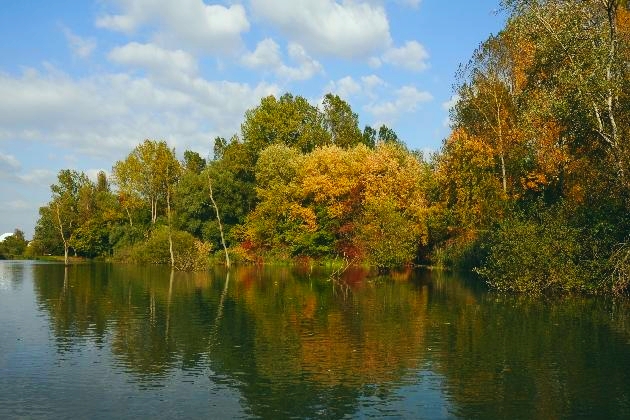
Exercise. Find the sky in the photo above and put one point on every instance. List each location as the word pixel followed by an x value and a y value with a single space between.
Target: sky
pixel 83 82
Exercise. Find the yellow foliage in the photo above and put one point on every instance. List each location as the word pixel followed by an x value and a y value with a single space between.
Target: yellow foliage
pixel 534 181
pixel 337 184
pixel 304 215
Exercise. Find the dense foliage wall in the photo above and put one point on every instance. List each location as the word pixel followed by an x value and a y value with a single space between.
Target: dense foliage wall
pixel 532 184
pixel 299 182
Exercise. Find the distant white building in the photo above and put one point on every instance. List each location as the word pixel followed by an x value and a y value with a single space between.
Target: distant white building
pixel 5 236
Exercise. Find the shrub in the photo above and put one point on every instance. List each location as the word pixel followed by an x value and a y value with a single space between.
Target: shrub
pixel 620 261
pixel 386 235
pixel 190 253
pixel 462 252
pixel 535 256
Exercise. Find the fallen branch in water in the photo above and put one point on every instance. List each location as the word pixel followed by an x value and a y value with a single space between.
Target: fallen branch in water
pixel 335 275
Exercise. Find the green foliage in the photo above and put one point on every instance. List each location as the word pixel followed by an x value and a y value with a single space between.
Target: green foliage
pixel 102 183
pixel 368 137
pixel 387 135
pixel 532 184
pixel 536 256
pixel 218 147
pixel 91 239
pixel 341 123
pixel 147 174
pixel 193 162
pixel 620 261
pixel 289 120
pixel 234 191
pixel 192 206
pixel 124 236
pixel 79 217
pixel 46 238
pixel 459 252
pixel 72 203
pixel 388 237
pixel 190 253
pixel 13 246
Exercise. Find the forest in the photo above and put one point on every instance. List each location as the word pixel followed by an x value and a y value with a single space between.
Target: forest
pixel 531 189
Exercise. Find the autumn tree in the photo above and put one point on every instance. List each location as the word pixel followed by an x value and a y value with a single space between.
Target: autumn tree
pixel 356 203
pixel 68 204
pixel 487 103
pixel 288 120
pixel 277 222
pixel 340 122
pixel 392 225
pixel 13 245
pixel 580 68
pixel 146 173
pixel 541 129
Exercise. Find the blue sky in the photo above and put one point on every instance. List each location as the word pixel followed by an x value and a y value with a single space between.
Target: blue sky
pixel 83 82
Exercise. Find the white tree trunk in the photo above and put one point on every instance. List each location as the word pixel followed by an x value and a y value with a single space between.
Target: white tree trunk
pixel 216 209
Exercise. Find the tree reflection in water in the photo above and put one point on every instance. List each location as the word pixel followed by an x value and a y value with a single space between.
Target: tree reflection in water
pixel 296 344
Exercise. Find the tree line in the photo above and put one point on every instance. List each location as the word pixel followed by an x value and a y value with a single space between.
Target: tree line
pixel 530 189
pixel 14 245
pixel 533 180
pixel 298 182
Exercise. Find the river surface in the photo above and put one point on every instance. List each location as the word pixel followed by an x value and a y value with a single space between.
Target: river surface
pixel 119 341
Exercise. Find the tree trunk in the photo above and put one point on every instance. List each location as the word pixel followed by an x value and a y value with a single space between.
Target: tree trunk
pixel 153 210
pixel 217 319
pixel 170 233
pixel 503 176
pixel 168 302
pixel 63 237
pixel 129 216
pixel 216 209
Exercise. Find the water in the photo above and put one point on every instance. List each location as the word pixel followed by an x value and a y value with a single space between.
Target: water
pixel 116 341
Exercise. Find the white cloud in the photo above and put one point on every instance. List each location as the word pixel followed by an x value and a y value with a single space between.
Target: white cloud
pixel 411 56
pixel 372 81
pixel 154 59
pixel 119 23
pixel 37 177
pixel 344 87
pixel 18 205
pixel 374 62
pixel 450 104
pixel 81 47
pixel 411 3
pixel 267 56
pixel 410 96
pixel 8 164
pixel 187 23
pixel 366 86
pixel 407 99
pixel 308 67
pixel 350 29
pixel 92 174
pixel 406 3
pixel 106 115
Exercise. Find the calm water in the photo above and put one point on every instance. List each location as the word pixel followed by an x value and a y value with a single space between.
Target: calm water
pixel 113 341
